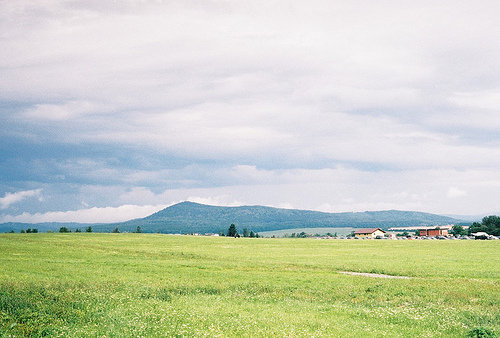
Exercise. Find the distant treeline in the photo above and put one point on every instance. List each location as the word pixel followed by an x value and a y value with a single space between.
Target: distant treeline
pixel 489 224
pixel 231 232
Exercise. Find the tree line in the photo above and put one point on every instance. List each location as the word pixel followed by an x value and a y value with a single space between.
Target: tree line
pixel 489 224
pixel 65 229
pixel 68 230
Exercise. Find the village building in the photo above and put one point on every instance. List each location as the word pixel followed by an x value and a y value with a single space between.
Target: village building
pixel 369 233
pixel 392 235
pixel 433 232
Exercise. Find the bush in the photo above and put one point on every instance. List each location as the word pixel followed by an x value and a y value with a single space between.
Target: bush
pixel 482 332
pixel 458 230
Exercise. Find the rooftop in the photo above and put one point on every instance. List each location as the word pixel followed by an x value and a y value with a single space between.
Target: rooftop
pixel 367 231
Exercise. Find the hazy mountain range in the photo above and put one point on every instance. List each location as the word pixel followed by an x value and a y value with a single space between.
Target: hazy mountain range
pixel 189 217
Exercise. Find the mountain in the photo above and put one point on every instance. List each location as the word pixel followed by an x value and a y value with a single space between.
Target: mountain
pixel 189 217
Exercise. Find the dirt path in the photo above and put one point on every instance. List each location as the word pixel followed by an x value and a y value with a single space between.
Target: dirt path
pixel 375 275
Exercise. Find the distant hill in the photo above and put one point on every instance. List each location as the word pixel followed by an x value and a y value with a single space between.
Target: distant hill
pixel 188 217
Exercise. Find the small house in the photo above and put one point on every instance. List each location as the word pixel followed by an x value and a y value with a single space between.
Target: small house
pixel 369 233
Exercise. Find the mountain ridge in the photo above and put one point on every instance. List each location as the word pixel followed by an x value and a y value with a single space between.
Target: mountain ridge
pixel 190 217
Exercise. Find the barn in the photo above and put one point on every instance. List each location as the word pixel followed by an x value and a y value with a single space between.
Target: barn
pixel 369 233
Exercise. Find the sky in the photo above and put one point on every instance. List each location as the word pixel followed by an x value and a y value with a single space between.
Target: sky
pixel 112 110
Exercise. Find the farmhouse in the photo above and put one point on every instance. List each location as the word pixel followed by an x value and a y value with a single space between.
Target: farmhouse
pixel 369 233
pixel 433 232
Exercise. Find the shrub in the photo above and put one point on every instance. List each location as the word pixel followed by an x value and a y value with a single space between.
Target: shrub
pixel 481 332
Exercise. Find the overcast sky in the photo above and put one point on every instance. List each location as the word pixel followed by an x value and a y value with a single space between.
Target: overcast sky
pixel 112 110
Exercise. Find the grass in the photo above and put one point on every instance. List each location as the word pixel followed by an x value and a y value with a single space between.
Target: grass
pixel 149 285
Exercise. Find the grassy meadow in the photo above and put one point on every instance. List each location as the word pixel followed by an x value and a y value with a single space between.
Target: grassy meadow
pixel 118 285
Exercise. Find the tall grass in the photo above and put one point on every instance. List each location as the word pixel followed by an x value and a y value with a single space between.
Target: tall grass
pixel 150 285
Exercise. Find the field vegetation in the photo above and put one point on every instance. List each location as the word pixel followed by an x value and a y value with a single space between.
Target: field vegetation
pixel 123 284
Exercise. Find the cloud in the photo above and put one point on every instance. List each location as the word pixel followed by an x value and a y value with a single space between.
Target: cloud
pixel 11 198
pixel 61 112
pixel 454 192
pixel 341 189
pixel 485 99
pixel 90 215
pixel 332 105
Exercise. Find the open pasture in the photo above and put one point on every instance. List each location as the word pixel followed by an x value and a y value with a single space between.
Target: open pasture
pixel 150 285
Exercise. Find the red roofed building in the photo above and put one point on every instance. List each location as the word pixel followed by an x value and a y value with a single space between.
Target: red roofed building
pixel 369 233
pixel 433 232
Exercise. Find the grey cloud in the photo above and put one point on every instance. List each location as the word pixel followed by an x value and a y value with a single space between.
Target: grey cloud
pixel 401 84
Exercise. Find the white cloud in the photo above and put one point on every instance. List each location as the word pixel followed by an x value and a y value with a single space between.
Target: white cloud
pixel 90 215
pixel 65 111
pixel 485 99
pixel 224 200
pixel 342 189
pixel 11 198
pixel 454 192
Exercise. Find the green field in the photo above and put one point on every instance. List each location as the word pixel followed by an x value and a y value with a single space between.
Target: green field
pixel 149 285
